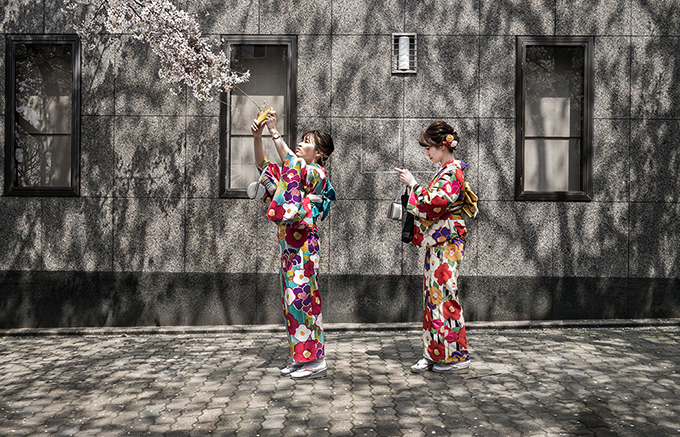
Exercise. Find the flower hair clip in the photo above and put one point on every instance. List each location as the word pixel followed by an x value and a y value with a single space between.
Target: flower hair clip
pixel 450 142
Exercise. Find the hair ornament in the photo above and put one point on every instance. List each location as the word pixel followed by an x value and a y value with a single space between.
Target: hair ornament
pixel 450 142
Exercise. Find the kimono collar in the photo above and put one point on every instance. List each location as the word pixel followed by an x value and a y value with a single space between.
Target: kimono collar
pixel 448 167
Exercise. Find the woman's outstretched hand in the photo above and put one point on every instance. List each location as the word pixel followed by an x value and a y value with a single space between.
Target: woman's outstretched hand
pixel 257 129
pixel 270 121
pixel 405 177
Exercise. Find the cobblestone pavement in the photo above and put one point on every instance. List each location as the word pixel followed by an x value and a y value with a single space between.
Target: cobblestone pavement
pixel 522 382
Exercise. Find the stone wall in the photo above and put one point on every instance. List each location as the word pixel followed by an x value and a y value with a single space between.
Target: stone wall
pixel 149 241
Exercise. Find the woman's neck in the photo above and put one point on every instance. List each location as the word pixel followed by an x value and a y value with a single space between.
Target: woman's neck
pixel 447 157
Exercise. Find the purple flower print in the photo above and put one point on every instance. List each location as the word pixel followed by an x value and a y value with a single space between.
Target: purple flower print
pixel 289 258
pixel 313 244
pixel 292 193
pixel 442 234
pixel 303 296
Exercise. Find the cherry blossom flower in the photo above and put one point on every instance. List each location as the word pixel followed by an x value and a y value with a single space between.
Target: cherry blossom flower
pixel 186 56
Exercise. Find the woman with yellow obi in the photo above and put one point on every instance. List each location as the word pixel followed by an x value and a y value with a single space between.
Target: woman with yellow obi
pixel 440 228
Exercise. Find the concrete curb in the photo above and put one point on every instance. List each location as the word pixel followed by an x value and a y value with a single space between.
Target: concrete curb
pixel 333 327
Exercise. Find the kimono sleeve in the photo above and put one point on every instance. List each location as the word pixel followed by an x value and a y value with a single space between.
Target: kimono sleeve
pixel 290 204
pixel 436 202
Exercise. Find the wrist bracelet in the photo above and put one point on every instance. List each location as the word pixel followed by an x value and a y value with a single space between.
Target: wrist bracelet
pixel 276 136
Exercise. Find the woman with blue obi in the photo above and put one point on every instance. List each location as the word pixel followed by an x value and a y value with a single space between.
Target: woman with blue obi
pixel 298 193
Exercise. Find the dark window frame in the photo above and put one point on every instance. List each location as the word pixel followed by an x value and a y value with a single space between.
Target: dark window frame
pixel 586 183
pixel 225 115
pixel 11 42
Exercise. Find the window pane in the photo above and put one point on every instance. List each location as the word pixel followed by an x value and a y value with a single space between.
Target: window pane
pixel 42 160
pixel 44 112
pixel 551 165
pixel 268 65
pixel 554 92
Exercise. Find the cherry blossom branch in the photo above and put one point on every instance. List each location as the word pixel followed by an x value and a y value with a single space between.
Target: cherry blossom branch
pixel 186 56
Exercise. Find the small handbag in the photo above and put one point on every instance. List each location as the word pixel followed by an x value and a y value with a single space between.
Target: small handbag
pixel 394 211
pixel 407 222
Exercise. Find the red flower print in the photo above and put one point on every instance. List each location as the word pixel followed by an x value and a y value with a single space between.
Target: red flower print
pixel 307 207
pixel 417 236
pixel 437 351
pixel 443 274
pixel 291 175
pixel 275 212
pixel 292 323
pixel 452 310
pixel 462 338
pixel 296 237
pixel 450 336
pixel 447 188
pixel 309 269
pixel 460 229
pixel 459 175
pixel 316 303
pixel 305 351
pixel 439 326
pixel 436 208
pixel 427 320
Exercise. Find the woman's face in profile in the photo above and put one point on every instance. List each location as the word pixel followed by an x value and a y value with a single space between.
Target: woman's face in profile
pixel 306 149
pixel 435 154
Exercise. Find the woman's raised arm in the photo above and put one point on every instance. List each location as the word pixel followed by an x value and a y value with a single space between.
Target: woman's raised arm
pixel 257 143
pixel 281 147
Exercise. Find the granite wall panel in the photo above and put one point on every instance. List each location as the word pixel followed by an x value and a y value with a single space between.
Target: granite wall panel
pixel 363 240
pixel 517 238
pixel 203 157
pixel 356 138
pixel 447 78
pixel 139 90
pixel 78 234
pixel 497 152
pixel 367 17
pixel 517 17
pixel 21 233
pixel 579 224
pixel 97 156
pixel 150 156
pixel 592 17
pixel 654 240
pixel 612 77
pixel 314 75
pixel 98 76
pixel 301 17
pixel 235 17
pixel 58 21
pixel 655 161
pixel 149 234
pixel 362 81
pixel 611 160
pixel 22 16
pixel 222 236
pixel 655 72
pixel 497 64
pixel 655 17
pixel 442 17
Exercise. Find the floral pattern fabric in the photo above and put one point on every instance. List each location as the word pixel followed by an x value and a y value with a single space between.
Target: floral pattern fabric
pixel 440 228
pixel 291 209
